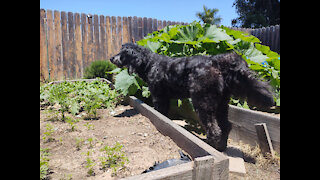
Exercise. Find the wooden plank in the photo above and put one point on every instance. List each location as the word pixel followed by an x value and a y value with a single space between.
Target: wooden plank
pixel 126 31
pixel 183 138
pixel 159 25
pixel 243 121
pixel 130 22
pixel 119 34
pixel 96 40
pixel 178 172
pixel 149 24
pixel 154 25
pixel 135 29
pixel 84 34
pixel 58 46
pixel 203 168
pixel 266 34
pixel 114 36
pixel 43 46
pixel 64 35
pixel 108 37
pixel 51 45
pixel 78 48
pixel 264 138
pixel 90 40
pixel 164 24
pixel 71 47
pixel 103 44
pixel 277 47
pixel 140 29
pixel 145 26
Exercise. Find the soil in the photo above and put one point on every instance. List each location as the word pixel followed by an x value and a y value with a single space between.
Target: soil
pixel 142 143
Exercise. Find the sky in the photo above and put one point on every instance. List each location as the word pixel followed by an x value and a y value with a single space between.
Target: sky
pixel 169 10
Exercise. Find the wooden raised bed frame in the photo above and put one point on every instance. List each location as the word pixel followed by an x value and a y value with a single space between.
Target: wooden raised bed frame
pixel 207 164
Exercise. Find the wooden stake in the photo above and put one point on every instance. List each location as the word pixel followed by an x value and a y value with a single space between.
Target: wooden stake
pixel 264 138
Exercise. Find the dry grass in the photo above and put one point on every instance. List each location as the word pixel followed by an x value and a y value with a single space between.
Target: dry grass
pixel 258 166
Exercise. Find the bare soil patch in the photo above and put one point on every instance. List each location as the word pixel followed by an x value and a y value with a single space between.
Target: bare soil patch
pixel 142 143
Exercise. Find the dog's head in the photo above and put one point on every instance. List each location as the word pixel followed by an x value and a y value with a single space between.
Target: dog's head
pixel 129 56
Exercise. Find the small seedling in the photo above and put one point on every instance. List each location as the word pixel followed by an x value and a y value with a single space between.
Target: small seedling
pixel 89 126
pixel 114 158
pixel 48 134
pixel 79 143
pixel 90 164
pixel 90 142
pixel 71 122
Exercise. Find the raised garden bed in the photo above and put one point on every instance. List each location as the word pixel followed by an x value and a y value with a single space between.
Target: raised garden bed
pixel 207 162
pixel 144 141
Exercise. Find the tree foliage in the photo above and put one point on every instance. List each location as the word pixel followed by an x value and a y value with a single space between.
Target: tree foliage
pixel 257 13
pixel 209 16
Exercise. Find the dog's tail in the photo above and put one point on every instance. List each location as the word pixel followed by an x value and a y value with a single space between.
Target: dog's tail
pixel 247 85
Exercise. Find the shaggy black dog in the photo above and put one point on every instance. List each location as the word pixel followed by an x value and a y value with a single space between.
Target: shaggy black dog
pixel 208 80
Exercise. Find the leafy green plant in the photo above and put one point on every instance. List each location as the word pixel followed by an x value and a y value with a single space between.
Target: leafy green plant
pixel 89 126
pixel 48 134
pixel 90 164
pixel 71 122
pixel 79 143
pixel 99 69
pixel 114 157
pixel 196 39
pixel 44 163
pixel 74 97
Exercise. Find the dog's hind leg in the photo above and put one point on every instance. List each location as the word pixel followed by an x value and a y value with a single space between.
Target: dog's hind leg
pixel 223 122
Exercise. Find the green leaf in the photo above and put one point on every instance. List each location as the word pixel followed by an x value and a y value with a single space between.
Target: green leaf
pixel 214 34
pixel 153 46
pixel 189 34
pixel 127 84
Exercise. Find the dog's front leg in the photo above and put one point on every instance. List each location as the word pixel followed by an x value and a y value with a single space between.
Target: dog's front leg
pixel 161 104
pixel 206 109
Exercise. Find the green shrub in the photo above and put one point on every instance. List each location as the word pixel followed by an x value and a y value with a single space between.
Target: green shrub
pixel 99 69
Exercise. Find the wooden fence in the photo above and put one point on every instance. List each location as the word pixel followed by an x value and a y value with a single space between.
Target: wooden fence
pixel 69 42
pixel 269 36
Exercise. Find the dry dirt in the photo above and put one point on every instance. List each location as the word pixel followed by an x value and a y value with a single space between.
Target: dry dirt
pixel 142 143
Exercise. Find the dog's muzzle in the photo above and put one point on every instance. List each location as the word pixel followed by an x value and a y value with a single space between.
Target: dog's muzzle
pixel 116 60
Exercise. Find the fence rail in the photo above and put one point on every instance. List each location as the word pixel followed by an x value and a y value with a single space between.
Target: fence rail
pixel 69 42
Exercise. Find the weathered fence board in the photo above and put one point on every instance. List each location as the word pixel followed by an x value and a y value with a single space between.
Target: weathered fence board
pixel 69 42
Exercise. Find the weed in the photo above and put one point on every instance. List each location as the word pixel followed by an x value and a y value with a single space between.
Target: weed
pixel 90 142
pixel 90 164
pixel 89 126
pixel 71 122
pixel 79 143
pixel 44 163
pixel 48 134
pixel 114 158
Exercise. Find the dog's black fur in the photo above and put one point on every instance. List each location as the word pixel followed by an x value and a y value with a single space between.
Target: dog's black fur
pixel 210 81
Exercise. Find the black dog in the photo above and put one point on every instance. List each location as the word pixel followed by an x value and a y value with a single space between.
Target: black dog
pixel 208 80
